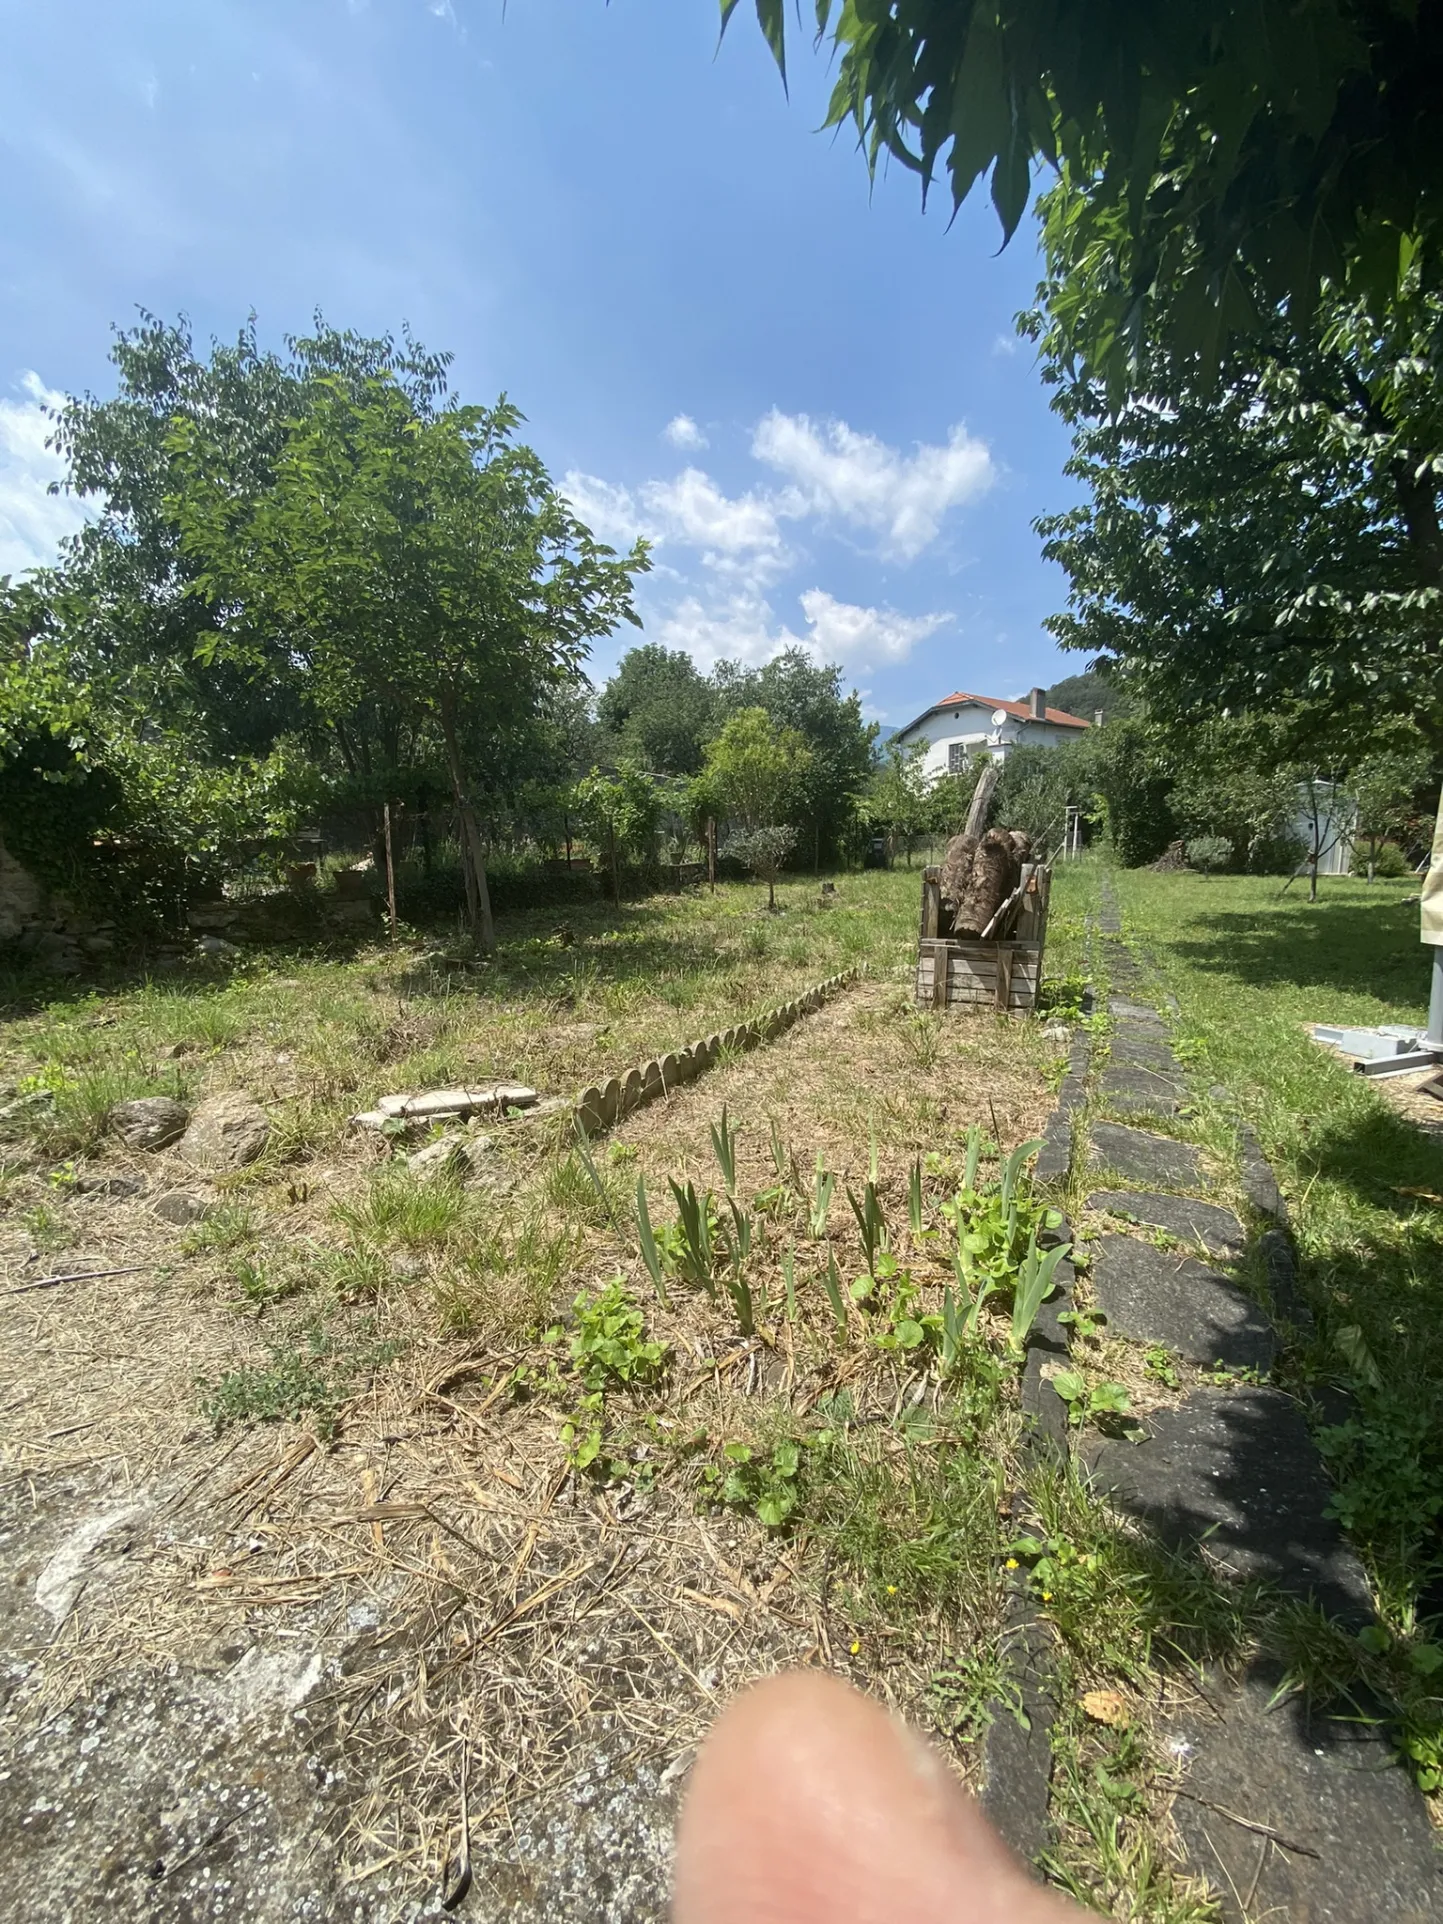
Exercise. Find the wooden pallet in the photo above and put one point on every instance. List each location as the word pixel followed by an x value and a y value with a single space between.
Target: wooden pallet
pixel 997 974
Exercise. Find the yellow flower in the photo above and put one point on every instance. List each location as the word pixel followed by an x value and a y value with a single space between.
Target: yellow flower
pixel 1011 1564
pixel 891 1589
pixel 1047 1596
pixel 855 1647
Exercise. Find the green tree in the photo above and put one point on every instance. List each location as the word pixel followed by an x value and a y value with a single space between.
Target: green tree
pixel 420 565
pixel 1036 787
pixel 754 778
pixel 1209 147
pixel 899 802
pixel 1130 771
pixel 1386 787
pixel 142 632
pixel 807 696
pixel 660 709
pixel 1270 541
pixel 1233 782
pixel 620 812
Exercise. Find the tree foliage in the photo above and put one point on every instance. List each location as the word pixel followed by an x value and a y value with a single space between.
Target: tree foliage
pixel 1212 149
pixel 1272 542
pixel 620 813
pixel 807 696
pixel 423 571
pixel 659 708
pixel 756 772
pixel 900 803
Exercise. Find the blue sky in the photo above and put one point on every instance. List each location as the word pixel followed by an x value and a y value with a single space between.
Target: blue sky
pixel 808 394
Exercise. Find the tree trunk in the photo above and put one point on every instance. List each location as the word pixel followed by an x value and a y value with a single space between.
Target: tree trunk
pixel 771 894
pixel 423 819
pixel 473 858
pixel 615 870
pixel 390 874
pixel 711 852
pixel 817 847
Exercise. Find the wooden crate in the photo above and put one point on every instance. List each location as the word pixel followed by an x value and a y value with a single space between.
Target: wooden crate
pixel 1006 975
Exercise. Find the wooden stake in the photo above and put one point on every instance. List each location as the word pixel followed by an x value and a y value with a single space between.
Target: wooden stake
pixel 982 799
pixel 390 873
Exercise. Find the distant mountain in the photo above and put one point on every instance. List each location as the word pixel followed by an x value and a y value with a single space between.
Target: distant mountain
pixel 1083 695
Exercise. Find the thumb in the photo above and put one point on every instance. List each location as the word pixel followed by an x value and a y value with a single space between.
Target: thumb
pixel 809 1804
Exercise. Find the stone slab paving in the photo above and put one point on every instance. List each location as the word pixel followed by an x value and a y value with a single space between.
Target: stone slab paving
pixel 1293 1815
pixel 1136 1015
pixel 1138 1156
pixel 1289 1813
pixel 1239 1469
pixel 1140 1092
pixel 1130 1050
pixel 1152 1295
pixel 1211 1227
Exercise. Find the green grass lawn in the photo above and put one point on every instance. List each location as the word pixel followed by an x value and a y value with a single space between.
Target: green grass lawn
pixel 1251 967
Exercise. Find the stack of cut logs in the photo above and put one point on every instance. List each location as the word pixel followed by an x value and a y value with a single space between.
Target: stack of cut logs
pixel 979 878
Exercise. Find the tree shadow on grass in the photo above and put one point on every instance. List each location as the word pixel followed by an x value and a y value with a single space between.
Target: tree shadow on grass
pixel 1363 948
pixel 643 940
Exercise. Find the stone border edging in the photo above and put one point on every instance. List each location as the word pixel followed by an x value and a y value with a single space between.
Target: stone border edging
pixel 597 1108
pixel 1017 1759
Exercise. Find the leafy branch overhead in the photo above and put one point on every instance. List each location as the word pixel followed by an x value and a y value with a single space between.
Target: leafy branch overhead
pixel 1296 144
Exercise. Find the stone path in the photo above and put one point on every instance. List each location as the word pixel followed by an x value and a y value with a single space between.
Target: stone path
pixel 1287 1812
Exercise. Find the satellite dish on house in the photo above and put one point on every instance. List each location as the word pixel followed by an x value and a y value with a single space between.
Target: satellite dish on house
pixel 999 715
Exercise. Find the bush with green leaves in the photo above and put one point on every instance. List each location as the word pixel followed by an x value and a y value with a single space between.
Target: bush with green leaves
pixel 1210 853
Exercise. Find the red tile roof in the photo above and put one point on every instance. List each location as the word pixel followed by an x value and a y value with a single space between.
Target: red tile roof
pixel 1018 708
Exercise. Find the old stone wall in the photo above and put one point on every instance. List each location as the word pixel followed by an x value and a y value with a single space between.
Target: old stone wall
pixel 44 926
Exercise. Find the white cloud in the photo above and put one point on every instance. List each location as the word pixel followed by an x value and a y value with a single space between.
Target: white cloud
pixel 732 532
pixel 33 522
pixel 738 536
pixel 841 631
pixel 744 628
pixel 834 470
pixel 608 509
pixel 1004 344
pixel 683 432
pixel 737 630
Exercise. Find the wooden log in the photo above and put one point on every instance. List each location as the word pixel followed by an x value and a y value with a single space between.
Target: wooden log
pixel 982 799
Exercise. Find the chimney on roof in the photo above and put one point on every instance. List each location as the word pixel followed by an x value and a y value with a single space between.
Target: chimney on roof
pixel 1037 703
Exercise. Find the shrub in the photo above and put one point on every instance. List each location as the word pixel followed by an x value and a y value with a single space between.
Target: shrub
pixel 1390 862
pixel 1209 853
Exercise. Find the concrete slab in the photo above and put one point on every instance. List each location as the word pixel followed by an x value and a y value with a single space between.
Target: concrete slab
pixel 1239 1468
pixel 1290 1813
pixel 1137 1156
pixel 1140 1092
pixel 1152 1295
pixel 1211 1227
pixel 1131 1050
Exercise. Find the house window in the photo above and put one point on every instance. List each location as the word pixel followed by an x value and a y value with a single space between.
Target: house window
pixel 956 758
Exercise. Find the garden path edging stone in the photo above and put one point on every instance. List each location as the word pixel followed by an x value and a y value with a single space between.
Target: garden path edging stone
pixel 1139 1156
pixel 597 1108
pixel 1208 1225
pixel 1285 1811
pixel 1152 1295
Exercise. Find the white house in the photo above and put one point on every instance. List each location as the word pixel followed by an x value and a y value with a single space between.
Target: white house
pixel 956 727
